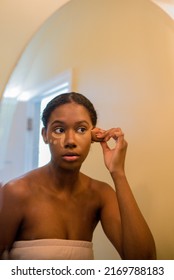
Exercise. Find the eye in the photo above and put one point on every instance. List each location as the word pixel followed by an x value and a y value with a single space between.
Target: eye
pixel 59 130
pixel 81 130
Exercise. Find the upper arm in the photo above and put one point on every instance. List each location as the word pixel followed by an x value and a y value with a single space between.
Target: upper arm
pixel 110 218
pixel 10 215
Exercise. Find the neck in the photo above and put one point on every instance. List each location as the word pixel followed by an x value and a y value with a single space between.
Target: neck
pixel 62 178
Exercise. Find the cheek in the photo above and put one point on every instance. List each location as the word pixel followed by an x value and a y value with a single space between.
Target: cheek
pixel 84 140
pixel 57 139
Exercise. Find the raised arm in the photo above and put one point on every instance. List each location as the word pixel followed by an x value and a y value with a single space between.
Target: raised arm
pixel 136 240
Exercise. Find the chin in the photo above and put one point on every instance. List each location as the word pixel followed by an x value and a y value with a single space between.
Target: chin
pixel 70 166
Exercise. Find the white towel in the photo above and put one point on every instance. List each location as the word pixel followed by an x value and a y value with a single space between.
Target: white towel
pixel 52 249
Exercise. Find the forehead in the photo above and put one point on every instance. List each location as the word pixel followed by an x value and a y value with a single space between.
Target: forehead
pixel 70 112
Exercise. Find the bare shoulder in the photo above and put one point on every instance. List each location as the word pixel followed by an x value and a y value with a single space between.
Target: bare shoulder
pixel 19 188
pixel 104 190
pixel 101 186
pixel 15 191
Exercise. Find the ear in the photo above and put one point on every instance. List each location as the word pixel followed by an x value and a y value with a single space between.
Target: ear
pixel 92 140
pixel 44 135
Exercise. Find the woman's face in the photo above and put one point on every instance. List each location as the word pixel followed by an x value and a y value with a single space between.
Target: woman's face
pixel 68 134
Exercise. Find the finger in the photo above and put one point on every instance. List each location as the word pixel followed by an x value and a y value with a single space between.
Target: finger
pixel 104 146
pixel 114 133
pixel 118 136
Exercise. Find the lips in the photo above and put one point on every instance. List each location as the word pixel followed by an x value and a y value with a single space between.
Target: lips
pixel 70 156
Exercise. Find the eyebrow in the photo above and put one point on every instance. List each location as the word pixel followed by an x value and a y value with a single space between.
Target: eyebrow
pixel 76 123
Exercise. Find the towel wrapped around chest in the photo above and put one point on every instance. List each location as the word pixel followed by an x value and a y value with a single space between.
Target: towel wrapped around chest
pixel 52 249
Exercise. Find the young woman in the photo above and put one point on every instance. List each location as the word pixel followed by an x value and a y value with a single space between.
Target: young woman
pixel 52 212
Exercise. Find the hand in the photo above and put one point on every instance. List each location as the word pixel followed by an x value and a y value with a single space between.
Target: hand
pixel 114 158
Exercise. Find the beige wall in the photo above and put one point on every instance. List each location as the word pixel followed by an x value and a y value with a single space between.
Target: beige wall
pixel 122 55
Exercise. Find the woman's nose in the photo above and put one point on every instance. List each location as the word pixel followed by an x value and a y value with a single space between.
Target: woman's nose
pixel 70 140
